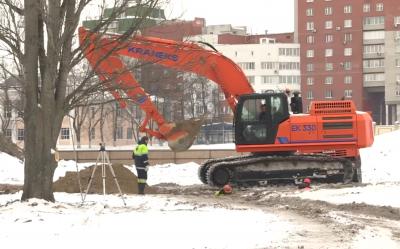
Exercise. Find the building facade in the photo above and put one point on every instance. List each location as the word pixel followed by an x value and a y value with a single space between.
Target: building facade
pixel 267 63
pixel 351 50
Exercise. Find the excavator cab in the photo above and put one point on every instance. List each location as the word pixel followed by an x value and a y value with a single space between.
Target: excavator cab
pixel 258 116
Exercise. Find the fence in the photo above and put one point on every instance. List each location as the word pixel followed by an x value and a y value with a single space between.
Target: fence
pixel 159 156
pixel 155 156
pixel 382 129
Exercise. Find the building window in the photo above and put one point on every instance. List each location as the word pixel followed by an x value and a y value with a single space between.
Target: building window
pixel 310 81
pixel 20 114
pixel 374 77
pixel 310 53
pixel 8 133
pixel 348 51
pixel 348 79
pixel 397 47
pixel 251 79
pixel 377 63
pixel 269 65
pixel 329 80
pixel 119 133
pixel 310 26
pixel 328 24
pixel 328 66
pixel 92 133
pixel 374 20
pixel 397 35
pixel 310 39
pixel 348 93
pixel 366 7
pixel 328 38
pixel 328 11
pixel 347 65
pixel 397 92
pixel 378 49
pixel 310 95
pixel 374 35
pixel 289 65
pixel 348 37
pixel 64 133
pixel 348 23
pixel 310 67
pixel 328 94
pixel 129 133
pixel 20 134
pixel 379 7
pixel 289 51
pixel 328 52
pixel 266 79
pixel 247 65
pixel 118 110
pixel 397 62
pixel 309 12
pixel 396 21
pixel 347 9
pixel 289 79
pixel 92 111
pixel 7 112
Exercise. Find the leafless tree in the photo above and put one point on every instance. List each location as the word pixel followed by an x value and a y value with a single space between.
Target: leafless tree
pixel 40 36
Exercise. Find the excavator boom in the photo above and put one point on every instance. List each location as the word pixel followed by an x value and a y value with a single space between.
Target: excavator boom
pixel 105 53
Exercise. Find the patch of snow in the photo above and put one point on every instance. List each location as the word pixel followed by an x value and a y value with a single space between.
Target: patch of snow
pixel 375 237
pixel 174 224
pixel 11 170
pixel 381 161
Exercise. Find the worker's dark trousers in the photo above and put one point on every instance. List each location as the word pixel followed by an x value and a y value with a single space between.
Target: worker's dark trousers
pixel 142 178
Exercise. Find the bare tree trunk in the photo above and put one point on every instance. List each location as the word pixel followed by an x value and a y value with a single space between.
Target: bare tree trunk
pixel 39 140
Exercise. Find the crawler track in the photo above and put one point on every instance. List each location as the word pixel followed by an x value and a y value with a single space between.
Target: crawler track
pixel 253 169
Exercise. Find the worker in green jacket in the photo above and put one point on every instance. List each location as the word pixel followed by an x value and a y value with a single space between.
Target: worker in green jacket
pixel 140 155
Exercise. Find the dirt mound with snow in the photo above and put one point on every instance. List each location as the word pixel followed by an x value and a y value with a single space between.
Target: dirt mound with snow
pixel 126 179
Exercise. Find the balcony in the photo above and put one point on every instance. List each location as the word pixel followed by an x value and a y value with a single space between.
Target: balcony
pixel 373 55
pixel 367 27
pixel 374 70
pixel 374 83
pixel 373 41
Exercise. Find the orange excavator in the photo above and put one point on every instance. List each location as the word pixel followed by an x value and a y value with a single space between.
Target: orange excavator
pixel 282 146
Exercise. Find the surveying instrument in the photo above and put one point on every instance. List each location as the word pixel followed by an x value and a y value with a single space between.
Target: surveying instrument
pixel 103 160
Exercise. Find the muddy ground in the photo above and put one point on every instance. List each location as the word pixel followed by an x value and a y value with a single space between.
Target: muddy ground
pixel 320 224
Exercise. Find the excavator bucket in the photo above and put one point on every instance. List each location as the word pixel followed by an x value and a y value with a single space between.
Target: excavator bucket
pixel 183 134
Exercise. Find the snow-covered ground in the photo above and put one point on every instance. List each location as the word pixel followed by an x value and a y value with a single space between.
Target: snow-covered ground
pixel 153 221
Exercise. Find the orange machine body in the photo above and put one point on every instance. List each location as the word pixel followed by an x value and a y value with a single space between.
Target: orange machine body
pixel 331 127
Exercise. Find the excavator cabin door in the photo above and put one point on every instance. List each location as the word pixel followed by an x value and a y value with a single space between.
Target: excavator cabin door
pixel 258 116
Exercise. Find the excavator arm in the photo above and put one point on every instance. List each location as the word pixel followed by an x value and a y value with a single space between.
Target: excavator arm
pixel 105 53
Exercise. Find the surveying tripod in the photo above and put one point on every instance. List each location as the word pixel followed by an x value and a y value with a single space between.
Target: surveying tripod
pixel 103 160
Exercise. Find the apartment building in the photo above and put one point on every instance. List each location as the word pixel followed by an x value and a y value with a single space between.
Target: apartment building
pixel 267 63
pixel 351 50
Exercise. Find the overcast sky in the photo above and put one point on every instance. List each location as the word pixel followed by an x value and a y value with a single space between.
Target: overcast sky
pixel 276 16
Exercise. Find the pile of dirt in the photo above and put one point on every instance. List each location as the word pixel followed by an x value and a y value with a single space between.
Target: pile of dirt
pixel 126 179
pixel 9 189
